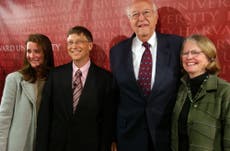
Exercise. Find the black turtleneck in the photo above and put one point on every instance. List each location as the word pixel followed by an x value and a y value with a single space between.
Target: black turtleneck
pixel 194 84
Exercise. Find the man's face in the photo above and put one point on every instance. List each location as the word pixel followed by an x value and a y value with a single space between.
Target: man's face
pixel 143 19
pixel 79 48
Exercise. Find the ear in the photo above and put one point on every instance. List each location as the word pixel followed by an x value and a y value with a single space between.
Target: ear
pixel 90 45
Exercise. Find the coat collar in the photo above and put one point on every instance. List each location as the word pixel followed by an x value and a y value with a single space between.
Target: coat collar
pixel 29 90
pixel 210 85
pixel 163 60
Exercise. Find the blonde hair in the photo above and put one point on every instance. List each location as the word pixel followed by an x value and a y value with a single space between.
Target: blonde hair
pixel 209 49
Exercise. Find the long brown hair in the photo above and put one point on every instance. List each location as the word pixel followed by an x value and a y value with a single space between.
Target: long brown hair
pixel 28 72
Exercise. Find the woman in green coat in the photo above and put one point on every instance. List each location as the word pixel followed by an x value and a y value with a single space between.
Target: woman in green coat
pixel 201 116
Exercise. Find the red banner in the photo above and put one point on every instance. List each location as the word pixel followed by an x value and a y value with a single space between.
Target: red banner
pixel 108 23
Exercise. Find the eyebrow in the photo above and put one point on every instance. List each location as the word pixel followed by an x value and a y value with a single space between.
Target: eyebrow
pixel 191 50
pixel 141 11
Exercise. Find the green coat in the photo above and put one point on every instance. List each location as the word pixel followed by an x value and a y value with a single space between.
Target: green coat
pixel 208 118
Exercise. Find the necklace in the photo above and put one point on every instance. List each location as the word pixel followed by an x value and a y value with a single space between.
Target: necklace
pixel 191 98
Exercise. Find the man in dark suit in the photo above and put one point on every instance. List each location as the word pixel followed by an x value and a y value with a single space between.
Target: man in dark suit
pixel 89 127
pixel 143 119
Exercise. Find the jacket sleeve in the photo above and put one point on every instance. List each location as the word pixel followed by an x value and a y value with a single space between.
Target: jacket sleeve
pixel 108 126
pixel 226 120
pixel 7 109
pixel 44 117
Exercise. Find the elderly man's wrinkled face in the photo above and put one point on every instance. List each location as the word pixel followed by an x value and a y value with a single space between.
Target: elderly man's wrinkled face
pixel 143 19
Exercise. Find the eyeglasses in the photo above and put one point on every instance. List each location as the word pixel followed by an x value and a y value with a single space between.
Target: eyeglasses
pixel 193 53
pixel 78 42
pixel 146 13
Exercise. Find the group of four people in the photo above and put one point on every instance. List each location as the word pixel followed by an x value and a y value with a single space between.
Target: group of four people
pixel 140 106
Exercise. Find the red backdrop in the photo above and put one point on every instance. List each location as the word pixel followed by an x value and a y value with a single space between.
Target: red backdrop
pixel 107 21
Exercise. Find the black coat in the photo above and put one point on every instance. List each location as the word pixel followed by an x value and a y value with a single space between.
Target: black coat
pixel 91 127
pixel 139 118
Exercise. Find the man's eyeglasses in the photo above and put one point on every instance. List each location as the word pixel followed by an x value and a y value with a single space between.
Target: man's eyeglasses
pixel 193 53
pixel 79 42
pixel 145 13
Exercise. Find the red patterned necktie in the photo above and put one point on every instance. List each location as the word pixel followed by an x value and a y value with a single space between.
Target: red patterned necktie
pixel 145 70
pixel 77 88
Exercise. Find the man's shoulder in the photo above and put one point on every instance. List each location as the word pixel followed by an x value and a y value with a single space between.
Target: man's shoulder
pixel 121 47
pixel 62 68
pixel 123 43
pixel 97 68
pixel 169 37
pixel 99 72
pixel 170 40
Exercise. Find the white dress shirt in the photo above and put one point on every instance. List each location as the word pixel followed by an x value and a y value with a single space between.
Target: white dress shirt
pixel 137 52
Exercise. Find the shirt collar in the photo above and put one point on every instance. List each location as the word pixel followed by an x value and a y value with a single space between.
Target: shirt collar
pixel 138 43
pixel 83 69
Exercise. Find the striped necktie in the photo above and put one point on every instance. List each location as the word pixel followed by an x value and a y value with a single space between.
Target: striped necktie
pixel 77 88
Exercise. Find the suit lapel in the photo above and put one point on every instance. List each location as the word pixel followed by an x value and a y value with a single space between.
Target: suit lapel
pixel 29 90
pixel 66 80
pixel 87 93
pixel 130 68
pixel 129 61
pixel 163 59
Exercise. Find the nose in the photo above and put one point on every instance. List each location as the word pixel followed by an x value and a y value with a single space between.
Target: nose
pixel 141 16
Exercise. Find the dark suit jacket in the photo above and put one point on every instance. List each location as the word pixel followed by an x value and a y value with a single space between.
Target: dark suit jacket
pixel 139 117
pixel 91 127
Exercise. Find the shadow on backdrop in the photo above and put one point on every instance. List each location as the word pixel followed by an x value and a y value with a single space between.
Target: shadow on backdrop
pixel 171 21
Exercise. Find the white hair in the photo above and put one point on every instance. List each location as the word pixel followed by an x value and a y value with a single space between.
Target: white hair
pixel 128 9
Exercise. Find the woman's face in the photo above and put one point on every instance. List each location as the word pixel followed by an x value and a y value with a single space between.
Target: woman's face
pixel 193 59
pixel 34 54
